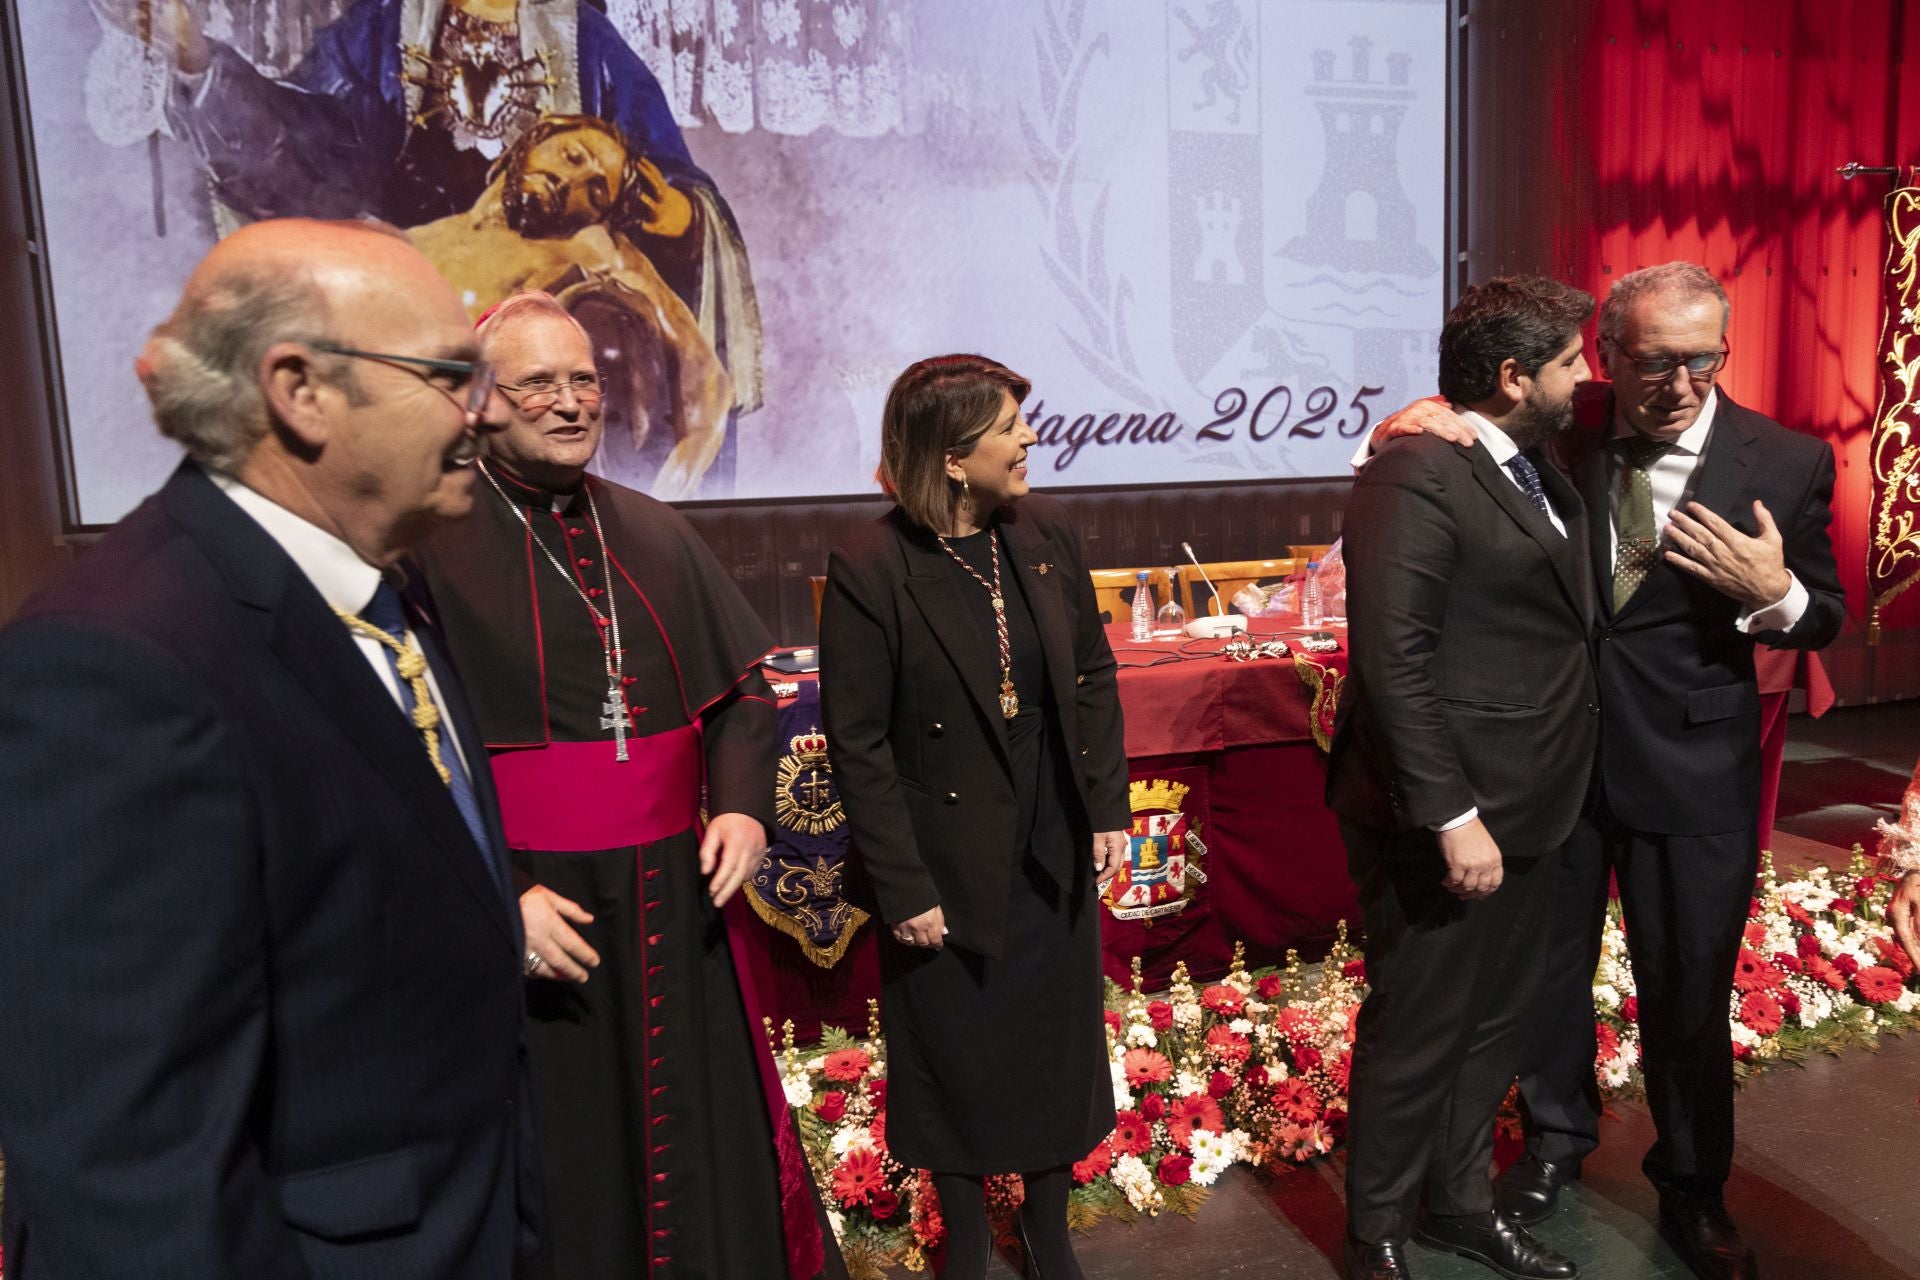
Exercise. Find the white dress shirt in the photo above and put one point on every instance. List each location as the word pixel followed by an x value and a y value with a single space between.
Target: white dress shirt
pixel 343 580
pixel 1501 446
pixel 1674 476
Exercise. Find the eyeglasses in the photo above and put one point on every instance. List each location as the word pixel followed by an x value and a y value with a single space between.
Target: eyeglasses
pixel 477 375
pixel 537 395
pixel 1699 365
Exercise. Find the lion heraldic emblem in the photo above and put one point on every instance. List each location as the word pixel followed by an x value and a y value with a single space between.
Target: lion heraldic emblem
pixel 804 797
pixel 1163 856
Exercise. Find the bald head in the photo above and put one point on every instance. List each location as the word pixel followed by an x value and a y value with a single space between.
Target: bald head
pixel 284 280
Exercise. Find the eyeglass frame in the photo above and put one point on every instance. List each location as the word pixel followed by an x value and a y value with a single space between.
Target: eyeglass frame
pixel 480 376
pixel 1721 357
pixel 595 391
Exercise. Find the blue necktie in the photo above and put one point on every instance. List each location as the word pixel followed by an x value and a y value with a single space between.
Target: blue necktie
pixel 384 612
pixel 1529 477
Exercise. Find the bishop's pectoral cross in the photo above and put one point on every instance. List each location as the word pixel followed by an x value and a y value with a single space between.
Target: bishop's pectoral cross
pixel 613 715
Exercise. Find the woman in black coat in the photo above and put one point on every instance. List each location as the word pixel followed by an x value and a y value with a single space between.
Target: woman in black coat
pixel 973 722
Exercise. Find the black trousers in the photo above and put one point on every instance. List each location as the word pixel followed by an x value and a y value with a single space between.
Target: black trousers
pixel 1442 1031
pixel 1685 899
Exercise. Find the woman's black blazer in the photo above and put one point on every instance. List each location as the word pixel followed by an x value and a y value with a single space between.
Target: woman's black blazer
pixel 910 693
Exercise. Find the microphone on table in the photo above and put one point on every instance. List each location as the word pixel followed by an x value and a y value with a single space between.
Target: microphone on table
pixel 1226 622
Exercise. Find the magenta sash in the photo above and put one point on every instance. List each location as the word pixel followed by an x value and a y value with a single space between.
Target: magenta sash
pixel 574 797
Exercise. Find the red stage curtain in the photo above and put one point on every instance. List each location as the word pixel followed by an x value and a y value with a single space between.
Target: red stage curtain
pixel 1710 130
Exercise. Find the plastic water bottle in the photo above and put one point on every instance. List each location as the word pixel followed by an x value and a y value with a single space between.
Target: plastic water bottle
pixel 1142 607
pixel 1312 612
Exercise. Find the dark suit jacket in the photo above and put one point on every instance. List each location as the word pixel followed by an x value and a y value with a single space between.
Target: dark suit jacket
pixel 1470 682
pixel 1679 709
pixel 261 990
pixel 909 691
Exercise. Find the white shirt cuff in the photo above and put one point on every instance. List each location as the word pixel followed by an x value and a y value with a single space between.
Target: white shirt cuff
pixel 1363 454
pixel 1780 615
pixel 1460 821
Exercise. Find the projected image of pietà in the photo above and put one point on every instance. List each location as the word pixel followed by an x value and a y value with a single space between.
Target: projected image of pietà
pixel 410 110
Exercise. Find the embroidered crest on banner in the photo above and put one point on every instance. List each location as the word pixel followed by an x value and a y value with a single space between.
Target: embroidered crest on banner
pixel 1163 855
pixel 804 797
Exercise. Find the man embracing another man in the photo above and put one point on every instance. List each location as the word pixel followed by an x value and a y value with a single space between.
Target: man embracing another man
pixel 1459 766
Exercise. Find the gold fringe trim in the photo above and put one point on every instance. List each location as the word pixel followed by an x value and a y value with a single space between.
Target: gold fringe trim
pixel 825 957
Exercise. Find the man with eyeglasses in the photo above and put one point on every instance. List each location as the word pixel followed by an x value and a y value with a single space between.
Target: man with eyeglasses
pixel 259 953
pixel 615 671
pixel 1717 540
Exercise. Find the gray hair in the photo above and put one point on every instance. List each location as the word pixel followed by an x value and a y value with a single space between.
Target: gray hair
pixel 527 302
pixel 1684 279
pixel 202 365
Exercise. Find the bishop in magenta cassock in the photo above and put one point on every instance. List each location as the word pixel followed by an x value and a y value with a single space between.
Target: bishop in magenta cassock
pixel 615 671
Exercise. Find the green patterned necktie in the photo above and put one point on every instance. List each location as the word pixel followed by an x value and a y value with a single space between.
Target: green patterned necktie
pixel 1639 541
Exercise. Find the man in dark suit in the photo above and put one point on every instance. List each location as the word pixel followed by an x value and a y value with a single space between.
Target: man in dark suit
pixel 1458 766
pixel 259 964
pixel 1743 504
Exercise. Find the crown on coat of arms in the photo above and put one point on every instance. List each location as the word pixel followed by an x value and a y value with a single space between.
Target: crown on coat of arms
pixel 809 748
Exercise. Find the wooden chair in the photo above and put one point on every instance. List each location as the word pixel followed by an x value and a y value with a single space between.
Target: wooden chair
pixel 1113 591
pixel 818 581
pixel 1229 576
pixel 1309 551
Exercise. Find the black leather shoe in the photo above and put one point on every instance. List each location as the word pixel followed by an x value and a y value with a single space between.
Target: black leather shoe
pixel 1705 1238
pixel 1491 1240
pixel 1376 1261
pixel 1529 1191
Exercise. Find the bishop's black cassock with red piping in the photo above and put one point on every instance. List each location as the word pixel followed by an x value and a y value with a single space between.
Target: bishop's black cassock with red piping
pixel 665 1147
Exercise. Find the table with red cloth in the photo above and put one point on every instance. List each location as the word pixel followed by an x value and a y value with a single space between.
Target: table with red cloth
pixel 1232 753
pixel 1237 845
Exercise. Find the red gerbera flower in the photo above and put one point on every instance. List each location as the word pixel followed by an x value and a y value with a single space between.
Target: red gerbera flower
pixel 1821 968
pixel 846 1065
pixel 1132 1135
pixel 1894 956
pixel 1878 984
pixel 1096 1165
pixel 858 1177
pixel 1146 1066
pixel 1755 934
pixel 1340 1070
pixel 1194 1111
pixel 1789 961
pixel 1606 1041
pixel 879 1130
pixel 1296 1100
pixel 1223 1000
pixel 1297 1025
pixel 1761 1012
pixel 1799 914
pixel 1227 1045
pixel 1752 973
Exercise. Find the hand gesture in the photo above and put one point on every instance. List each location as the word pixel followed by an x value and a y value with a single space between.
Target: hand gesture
pixel 928 929
pixel 733 847
pixel 1431 416
pixel 1750 570
pixel 1473 861
pixel 561 950
pixel 669 212
pixel 1110 850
